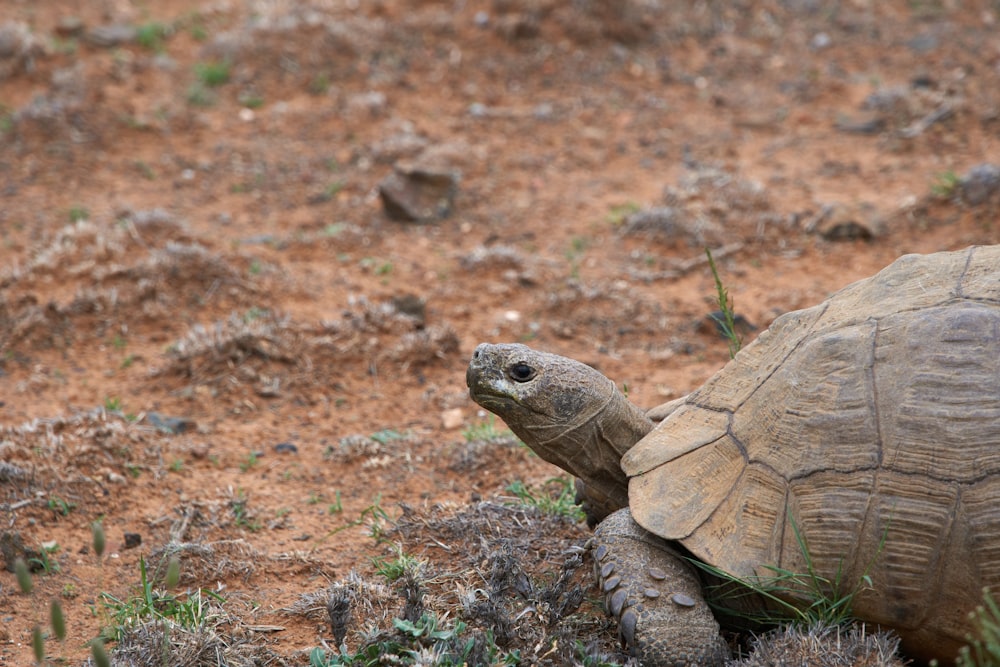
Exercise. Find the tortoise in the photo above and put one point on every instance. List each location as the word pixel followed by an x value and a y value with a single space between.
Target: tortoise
pixel 858 440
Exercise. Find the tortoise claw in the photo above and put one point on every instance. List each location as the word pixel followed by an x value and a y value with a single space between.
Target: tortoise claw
pixel 617 602
pixel 626 627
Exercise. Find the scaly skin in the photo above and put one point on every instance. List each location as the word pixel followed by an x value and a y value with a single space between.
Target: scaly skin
pixel 656 597
pixel 574 417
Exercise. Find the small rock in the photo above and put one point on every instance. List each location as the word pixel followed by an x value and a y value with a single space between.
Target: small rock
pixel 269 388
pixel 372 102
pixel 111 35
pixel 172 425
pixel 820 41
pixel 452 419
pixel 924 43
pixel 839 222
pixel 518 26
pixel 412 306
pixel 980 184
pixel 418 194
pixel 286 448
pixel 70 26
pixel 18 48
pixel 12 547
pixel 132 540
pixel 869 123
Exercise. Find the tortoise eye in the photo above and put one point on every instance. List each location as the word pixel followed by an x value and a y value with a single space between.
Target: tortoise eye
pixel 521 372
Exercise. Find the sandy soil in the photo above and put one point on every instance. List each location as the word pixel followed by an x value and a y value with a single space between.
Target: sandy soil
pixel 214 335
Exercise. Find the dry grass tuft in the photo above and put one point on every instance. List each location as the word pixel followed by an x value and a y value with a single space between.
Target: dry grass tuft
pixel 824 646
pixel 224 639
pixel 206 563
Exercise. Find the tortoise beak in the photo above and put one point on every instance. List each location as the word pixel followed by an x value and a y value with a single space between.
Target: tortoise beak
pixel 482 373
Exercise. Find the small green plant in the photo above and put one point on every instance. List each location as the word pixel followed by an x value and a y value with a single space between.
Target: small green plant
pixel 78 213
pixel 807 598
pixel 196 26
pixel 249 462
pixel 486 430
pixel 241 513
pixel 378 267
pixel 728 322
pixel 189 611
pixel 429 640
pixel 588 659
pixel 388 435
pixel 198 95
pixel 373 516
pixel 66 47
pixel 983 649
pixel 251 100
pixel 334 229
pixel 145 170
pixel 151 36
pixel 176 465
pixel 946 184
pixel 376 518
pixel 393 569
pixel 61 505
pixel 618 213
pixel 112 404
pixel 336 507
pixel 212 74
pixel 331 190
pixel 43 562
pixel 255 313
pixel 6 119
pixel 558 497
pixel 320 84
pixel 577 246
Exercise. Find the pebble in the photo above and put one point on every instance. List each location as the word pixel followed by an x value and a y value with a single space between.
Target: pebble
pixel 980 183
pixel 418 194
pixel 111 35
pixel 452 419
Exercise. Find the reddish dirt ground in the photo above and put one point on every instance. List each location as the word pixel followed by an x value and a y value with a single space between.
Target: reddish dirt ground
pixel 217 251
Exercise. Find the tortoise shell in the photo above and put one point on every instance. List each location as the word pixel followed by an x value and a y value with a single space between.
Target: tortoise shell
pixel 866 429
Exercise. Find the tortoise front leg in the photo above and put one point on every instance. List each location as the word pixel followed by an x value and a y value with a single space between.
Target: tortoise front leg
pixel 655 596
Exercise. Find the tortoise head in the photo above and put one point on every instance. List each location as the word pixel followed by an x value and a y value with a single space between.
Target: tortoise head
pixel 567 412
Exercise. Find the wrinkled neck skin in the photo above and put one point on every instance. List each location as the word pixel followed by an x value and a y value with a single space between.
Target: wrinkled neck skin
pixel 591 446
